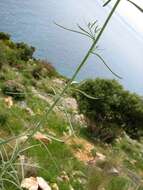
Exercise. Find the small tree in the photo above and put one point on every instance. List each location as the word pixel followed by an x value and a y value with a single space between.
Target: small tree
pixel 111 109
pixel 4 36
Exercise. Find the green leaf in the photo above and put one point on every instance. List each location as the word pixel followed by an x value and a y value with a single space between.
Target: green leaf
pixel 106 3
pixel 137 6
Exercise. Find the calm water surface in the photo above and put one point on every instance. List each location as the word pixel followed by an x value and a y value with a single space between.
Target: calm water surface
pixel 32 21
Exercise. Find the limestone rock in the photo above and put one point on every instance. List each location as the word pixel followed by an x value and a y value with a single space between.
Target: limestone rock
pixel 58 81
pixel 8 101
pixel 35 183
pixel 30 111
pixel 43 184
pixel 70 104
pixel 100 156
pixel 78 119
pixel 113 171
pixel 22 139
pixel 30 183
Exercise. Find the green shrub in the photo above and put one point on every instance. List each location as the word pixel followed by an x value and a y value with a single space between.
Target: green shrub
pixel 43 69
pixel 10 44
pixel 110 109
pixel 131 113
pixel 4 36
pixel 25 51
pixel 14 89
pixel 8 55
pixel 12 58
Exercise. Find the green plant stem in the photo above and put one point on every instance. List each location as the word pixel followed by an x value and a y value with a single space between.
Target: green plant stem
pixel 80 66
pixel 90 51
pixel 85 58
pixel 76 72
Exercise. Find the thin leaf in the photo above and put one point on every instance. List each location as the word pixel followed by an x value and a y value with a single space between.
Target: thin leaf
pixel 137 6
pixel 93 24
pixel 85 31
pixel 86 95
pixel 107 66
pixel 71 30
pixel 69 121
pixel 106 3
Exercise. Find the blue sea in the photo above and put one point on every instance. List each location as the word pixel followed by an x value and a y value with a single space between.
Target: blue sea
pixel 32 21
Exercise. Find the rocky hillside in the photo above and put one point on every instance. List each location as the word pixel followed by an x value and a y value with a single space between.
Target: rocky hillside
pixel 54 152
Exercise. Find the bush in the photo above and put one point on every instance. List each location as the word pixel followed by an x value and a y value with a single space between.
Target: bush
pixel 12 58
pixel 14 89
pixel 131 111
pixel 43 69
pixel 4 36
pixel 113 106
pixel 25 51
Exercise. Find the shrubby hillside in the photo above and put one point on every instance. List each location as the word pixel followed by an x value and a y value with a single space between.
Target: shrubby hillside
pixel 92 139
pixel 111 109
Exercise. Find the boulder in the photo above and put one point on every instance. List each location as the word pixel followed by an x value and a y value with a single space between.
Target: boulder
pixel 70 104
pixel 100 156
pixel 22 139
pixel 113 171
pixel 58 81
pixel 30 183
pixel 35 183
pixel 8 101
pixel 78 119
pixel 43 185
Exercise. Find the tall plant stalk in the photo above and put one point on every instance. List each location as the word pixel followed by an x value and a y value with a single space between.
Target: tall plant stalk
pixel 83 62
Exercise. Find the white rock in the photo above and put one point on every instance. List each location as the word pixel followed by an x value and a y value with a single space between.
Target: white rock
pixel 30 111
pixel 43 184
pixel 113 171
pixel 100 156
pixel 8 101
pixel 58 81
pixel 34 183
pixel 70 104
pixel 79 119
pixel 30 183
pixel 22 139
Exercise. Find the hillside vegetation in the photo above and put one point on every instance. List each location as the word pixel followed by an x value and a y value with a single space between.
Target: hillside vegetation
pixel 63 152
